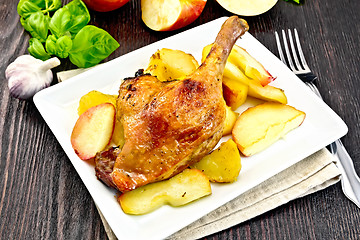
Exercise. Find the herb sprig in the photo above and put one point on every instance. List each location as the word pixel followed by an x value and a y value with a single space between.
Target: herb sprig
pixel 64 34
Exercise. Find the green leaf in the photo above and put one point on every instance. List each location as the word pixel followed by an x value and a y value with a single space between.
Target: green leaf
pixel 71 18
pixel 60 23
pixel 50 44
pixel 80 16
pixel 25 8
pixel 64 45
pixel 90 46
pixel 36 49
pixel 37 24
pixel 298 2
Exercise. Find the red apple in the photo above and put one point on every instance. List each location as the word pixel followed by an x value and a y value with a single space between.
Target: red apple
pixel 93 130
pixel 105 5
pixel 170 15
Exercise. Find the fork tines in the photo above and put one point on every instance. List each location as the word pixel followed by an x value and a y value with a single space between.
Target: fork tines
pixel 297 55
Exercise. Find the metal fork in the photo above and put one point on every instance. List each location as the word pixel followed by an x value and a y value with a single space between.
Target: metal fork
pixel 350 181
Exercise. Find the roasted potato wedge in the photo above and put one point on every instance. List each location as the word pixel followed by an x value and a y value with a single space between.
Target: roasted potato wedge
pixel 94 98
pixel 223 164
pixel 187 186
pixel 230 119
pixel 168 64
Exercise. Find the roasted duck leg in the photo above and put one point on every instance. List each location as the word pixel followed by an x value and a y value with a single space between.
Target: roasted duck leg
pixel 168 126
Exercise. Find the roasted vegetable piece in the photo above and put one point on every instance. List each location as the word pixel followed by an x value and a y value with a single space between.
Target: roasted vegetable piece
pixel 168 64
pixel 187 186
pixel 223 164
pixel 230 119
pixel 94 98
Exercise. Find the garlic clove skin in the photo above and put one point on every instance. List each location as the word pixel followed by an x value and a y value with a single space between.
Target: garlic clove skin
pixel 28 75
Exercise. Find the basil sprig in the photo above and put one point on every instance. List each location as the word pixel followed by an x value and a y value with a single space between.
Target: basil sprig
pixel 65 33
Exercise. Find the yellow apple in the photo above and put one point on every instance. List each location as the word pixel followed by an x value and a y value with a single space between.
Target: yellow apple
pixel 260 126
pixel 187 186
pixel 247 7
pixel 251 67
pixel 267 93
pixel 93 130
pixel 160 15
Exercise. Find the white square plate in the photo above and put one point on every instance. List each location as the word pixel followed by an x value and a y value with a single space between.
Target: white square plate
pixel 58 106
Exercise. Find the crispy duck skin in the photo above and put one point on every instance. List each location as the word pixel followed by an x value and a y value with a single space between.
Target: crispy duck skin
pixel 171 125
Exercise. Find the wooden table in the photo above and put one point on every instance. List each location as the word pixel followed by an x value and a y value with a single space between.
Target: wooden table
pixel 41 195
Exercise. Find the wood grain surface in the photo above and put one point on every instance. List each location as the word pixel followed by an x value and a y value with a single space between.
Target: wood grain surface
pixel 41 195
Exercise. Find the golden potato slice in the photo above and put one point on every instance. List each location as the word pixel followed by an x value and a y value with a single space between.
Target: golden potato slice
pixel 94 98
pixel 260 126
pixel 223 164
pixel 168 64
pixel 187 186
pixel 118 138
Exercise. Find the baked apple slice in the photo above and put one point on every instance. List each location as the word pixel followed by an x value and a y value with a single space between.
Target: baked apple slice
pixel 93 130
pixel 187 186
pixel 260 126
pixel 234 92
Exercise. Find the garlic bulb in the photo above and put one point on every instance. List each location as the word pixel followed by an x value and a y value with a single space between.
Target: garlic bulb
pixel 28 75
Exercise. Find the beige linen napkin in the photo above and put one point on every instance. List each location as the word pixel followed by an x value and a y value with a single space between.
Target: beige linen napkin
pixel 312 174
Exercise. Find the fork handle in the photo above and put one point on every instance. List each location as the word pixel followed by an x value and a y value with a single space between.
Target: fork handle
pixel 307 77
pixel 348 166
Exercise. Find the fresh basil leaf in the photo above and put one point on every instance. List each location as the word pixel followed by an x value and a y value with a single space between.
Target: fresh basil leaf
pixel 50 44
pixel 91 45
pixel 298 2
pixel 36 49
pixel 80 16
pixel 37 24
pixel 71 18
pixel 63 46
pixel 60 22
pixel 25 8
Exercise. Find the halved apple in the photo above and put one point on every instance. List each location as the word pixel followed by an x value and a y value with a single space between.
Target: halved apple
pixel 247 7
pixel 93 130
pixel 160 15
pixel 260 126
